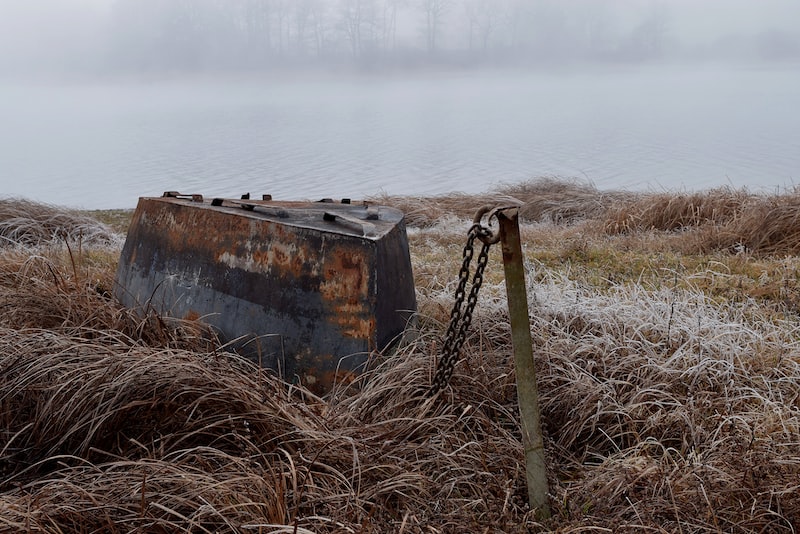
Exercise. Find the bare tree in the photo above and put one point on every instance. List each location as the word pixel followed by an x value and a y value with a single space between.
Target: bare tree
pixel 280 11
pixel 482 17
pixel 389 11
pixel 258 28
pixel 319 26
pixel 434 12
pixel 514 23
pixel 302 14
pixel 351 15
pixel 648 39
pixel 358 21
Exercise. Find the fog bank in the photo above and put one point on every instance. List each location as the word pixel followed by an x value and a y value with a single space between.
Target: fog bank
pixel 153 37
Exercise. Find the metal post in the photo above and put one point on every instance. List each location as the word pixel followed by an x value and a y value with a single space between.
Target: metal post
pixel 527 392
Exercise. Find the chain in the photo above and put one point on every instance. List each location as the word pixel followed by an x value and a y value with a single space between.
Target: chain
pixel 459 322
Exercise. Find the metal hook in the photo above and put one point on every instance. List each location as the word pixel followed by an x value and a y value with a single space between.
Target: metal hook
pixel 485 233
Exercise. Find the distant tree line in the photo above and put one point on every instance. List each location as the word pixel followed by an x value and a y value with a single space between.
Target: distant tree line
pixel 262 34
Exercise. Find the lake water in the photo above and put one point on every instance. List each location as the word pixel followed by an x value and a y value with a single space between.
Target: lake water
pixel 104 145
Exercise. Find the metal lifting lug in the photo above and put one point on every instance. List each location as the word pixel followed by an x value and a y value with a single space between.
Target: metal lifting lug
pixel 485 233
pixel 176 194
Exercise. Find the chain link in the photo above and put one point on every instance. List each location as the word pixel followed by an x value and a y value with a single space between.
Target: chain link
pixel 459 322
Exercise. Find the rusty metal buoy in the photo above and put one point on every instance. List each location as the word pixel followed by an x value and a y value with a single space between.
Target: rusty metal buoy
pixel 306 288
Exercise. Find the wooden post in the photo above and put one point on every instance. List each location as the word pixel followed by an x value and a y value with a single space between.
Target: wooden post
pixel 527 392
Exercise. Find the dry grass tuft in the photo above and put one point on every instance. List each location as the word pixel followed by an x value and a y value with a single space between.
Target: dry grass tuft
pixel 562 201
pixel 770 226
pixel 669 211
pixel 97 400
pixel 28 223
pixel 540 200
pixel 69 291
pixel 719 219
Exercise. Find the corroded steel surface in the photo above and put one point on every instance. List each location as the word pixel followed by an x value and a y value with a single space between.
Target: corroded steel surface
pixel 308 289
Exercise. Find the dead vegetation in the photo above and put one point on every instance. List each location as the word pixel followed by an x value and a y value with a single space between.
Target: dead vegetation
pixel 27 223
pixel 719 219
pixel 546 199
pixel 671 400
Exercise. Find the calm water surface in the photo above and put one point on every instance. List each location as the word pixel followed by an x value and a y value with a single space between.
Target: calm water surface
pixel 104 145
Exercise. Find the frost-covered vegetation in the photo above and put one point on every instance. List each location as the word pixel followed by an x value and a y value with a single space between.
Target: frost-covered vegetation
pixel 667 348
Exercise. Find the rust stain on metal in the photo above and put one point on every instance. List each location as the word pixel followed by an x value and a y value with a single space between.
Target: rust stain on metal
pixel 346 276
pixel 346 291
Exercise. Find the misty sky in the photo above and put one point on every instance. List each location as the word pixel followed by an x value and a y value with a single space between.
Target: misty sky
pixel 60 36
pixel 705 20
